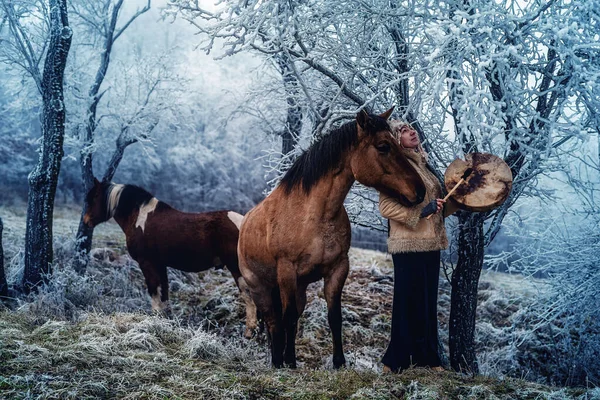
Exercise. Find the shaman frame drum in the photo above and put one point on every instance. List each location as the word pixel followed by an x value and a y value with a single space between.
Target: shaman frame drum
pixel 486 188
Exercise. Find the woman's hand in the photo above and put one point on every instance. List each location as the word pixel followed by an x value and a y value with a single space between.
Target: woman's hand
pixel 440 205
pixel 434 207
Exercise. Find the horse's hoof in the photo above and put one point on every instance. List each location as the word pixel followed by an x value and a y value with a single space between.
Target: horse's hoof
pixel 290 361
pixel 339 362
pixel 249 333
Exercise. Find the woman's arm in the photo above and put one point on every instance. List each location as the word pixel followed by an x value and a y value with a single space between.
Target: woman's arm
pixel 392 209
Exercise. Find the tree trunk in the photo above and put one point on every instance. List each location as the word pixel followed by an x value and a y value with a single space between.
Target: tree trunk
pixel 83 242
pixel 83 239
pixel 289 137
pixel 85 234
pixel 293 123
pixel 44 177
pixel 3 283
pixel 463 301
pixel 117 156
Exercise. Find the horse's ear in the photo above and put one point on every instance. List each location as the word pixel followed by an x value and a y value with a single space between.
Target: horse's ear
pixel 362 118
pixel 387 114
pixel 96 181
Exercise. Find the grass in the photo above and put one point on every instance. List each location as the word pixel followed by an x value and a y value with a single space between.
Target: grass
pixel 130 355
pixel 95 336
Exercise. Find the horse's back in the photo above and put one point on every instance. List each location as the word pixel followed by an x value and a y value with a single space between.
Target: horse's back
pixel 192 241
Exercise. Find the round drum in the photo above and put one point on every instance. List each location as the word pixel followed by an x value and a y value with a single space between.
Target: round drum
pixel 486 188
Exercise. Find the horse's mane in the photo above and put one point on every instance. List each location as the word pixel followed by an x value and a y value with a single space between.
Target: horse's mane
pixel 129 198
pixel 325 155
pixel 132 198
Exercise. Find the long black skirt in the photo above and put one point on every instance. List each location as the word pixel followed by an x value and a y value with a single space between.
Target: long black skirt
pixel 414 338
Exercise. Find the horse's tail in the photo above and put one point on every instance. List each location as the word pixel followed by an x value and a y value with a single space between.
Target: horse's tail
pixel 276 300
pixel 235 218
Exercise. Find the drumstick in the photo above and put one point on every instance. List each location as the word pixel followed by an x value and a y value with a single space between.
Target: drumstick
pixel 463 178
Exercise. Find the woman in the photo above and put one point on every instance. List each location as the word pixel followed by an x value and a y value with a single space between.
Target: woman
pixel 415 243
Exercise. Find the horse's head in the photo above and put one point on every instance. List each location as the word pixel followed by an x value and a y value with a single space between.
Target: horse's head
pixel 97 211
pixel 378 161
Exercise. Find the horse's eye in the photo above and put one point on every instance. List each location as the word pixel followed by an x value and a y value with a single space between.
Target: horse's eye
pixel 383 148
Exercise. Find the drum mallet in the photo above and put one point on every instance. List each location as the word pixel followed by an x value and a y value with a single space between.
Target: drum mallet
pixel 463 178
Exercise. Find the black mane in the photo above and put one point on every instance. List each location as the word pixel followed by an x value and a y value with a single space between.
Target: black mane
pixel 326 154
pixel 132 198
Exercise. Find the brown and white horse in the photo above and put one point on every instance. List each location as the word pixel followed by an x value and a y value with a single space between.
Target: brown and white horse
pixel 301 233
pixel 158 236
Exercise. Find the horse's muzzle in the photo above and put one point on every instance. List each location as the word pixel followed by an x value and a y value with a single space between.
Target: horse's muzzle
pixel 420 197
pixel 408 203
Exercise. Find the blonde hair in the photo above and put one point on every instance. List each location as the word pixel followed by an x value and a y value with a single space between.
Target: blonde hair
pixel 396 124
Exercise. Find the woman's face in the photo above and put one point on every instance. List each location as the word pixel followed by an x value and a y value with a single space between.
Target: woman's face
pixel 409 139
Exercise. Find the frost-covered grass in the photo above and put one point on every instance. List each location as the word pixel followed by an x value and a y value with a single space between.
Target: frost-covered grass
pixel 131 355
pixel 95 336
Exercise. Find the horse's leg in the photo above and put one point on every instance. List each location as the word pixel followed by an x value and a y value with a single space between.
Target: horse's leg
pixel 300 302
pixel 287 280
pixel 165 306
pixel 251 313
pixel 334 283
pixel 276 328
pixel 268 303
pixel 157 283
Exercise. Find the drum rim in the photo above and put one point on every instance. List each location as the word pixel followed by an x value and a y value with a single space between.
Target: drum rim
pixel 469 163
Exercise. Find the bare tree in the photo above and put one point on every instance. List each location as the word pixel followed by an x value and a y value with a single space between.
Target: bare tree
pixel 3 283
pixel 503 71
pixel 293 123
pixel 53 49
pixel 102 20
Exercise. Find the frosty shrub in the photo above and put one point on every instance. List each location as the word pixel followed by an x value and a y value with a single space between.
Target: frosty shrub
pixel 563 324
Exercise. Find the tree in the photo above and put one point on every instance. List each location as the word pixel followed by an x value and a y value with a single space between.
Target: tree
pixel 18 133
pixel 3 283
pixel 102 20
pixel 508 91
pixel 293 123
pixel 54 49
pixel 504 72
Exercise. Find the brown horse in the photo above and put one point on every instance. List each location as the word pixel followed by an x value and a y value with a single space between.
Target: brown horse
pixel 301 233
pixel 158 236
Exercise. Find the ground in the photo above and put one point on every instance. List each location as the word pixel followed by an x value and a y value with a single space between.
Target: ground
pixel 96 337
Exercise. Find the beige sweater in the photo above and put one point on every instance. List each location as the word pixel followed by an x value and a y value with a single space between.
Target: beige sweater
pixel 409 232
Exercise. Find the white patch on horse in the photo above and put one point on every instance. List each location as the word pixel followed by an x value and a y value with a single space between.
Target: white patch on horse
pixel 114 195
pixel 145 209
pixel 157 303
pixel 235 218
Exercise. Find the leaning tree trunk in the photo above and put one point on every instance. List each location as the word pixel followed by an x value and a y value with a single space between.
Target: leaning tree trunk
pixel 44 177
pixel 83 243
pixel 463 302
pixel 3 283
pixel 85 233
pixel 83 239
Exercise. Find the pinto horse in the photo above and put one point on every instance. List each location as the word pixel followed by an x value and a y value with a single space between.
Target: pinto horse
pixel 159 236
pixel 300 233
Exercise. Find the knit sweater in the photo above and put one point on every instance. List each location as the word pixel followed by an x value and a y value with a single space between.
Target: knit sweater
pixel 409 232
